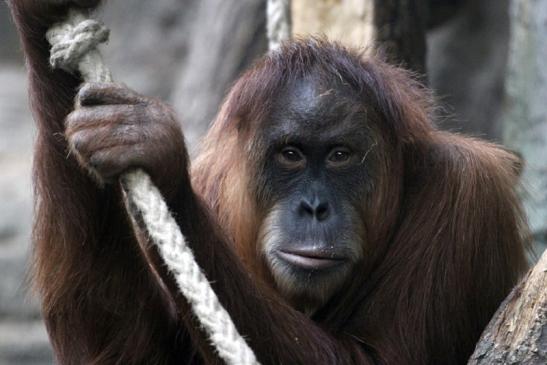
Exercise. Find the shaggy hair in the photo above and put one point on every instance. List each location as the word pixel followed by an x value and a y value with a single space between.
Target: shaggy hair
pixel 442 228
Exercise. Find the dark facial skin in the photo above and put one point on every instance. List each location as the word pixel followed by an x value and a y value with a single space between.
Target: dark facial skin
pixel 317 176
pixel 316 173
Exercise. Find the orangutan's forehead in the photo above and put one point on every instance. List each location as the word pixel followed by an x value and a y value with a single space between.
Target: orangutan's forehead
pixel 310 105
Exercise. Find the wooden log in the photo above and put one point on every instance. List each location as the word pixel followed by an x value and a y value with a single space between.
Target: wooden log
pixel 396 26
pixel 517 333
pixel 401 26
pixel 348 21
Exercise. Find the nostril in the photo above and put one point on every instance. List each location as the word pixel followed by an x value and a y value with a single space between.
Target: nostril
pixel 319 211
pixel 306 208
pixel 322 211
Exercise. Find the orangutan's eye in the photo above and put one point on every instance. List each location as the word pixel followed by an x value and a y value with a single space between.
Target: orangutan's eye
pixel 291 157
pixel 339 156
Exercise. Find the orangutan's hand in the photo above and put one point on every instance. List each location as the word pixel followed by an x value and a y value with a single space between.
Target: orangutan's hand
pixel 115 129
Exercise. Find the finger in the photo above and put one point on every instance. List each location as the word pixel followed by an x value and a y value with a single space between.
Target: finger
pixel 92 117
pixel 106 93
pixel 88 141
pixel 110 163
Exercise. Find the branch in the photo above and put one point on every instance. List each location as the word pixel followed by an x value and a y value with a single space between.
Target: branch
pixel 518 332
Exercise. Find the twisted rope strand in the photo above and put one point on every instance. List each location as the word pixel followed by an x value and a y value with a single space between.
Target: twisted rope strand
pixel 165 233
pixel 278 19
pixel 74 49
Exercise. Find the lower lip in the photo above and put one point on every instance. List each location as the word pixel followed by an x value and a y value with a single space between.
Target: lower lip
pixel 311 263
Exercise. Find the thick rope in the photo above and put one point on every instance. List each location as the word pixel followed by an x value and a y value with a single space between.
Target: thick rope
pixel 74 48
pixel 278 20
pixel 145 198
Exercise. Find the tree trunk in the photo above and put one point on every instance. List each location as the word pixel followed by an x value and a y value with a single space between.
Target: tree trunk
pixel 396 26
pixel 226 37
pixel 348 21
pixel 401 26
pixel 518 332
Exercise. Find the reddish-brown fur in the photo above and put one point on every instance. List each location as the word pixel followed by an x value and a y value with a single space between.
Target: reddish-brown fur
pixel 443 226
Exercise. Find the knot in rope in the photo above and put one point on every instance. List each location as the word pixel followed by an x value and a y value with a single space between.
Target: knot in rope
pixel 74 47
pixel 70 44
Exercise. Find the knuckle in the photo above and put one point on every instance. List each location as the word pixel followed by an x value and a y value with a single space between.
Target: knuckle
pixel 101 163
pixel 125 95
pixel 95 161
pixel 72 119
pixel 128 133
pixel 136 115
pixel 159 115
pixel 108 164
pixel 78 142
pixel 85 92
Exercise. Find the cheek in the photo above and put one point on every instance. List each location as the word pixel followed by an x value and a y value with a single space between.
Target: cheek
pixel 270 234
pixel 352 185
pixel 277 184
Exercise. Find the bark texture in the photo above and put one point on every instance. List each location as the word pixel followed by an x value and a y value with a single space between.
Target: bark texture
pixel 225 37
pixel 396 26
pixel 518 332
pixel 348 21
pixel 401 26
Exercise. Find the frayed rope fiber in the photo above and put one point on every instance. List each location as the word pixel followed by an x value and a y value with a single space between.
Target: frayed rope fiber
pixel 278 27
pixel 74 49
